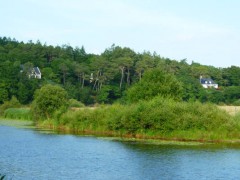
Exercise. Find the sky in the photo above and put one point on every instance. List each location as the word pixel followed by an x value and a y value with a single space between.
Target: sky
pixel 203 31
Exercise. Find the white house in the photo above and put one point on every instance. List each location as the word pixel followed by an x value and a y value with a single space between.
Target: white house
pixel 31 72
pixel 208 83
pixel 36 73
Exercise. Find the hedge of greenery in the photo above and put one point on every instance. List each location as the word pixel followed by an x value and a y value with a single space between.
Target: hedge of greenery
pixel 158 118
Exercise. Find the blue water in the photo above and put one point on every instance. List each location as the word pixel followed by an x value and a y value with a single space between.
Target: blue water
pixel 30 154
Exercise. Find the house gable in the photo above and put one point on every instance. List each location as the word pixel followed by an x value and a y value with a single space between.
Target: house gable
pixel 36 73
pixel 32 72
pixel 208 83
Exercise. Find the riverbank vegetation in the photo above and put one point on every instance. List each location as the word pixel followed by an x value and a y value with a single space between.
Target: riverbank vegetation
pixel 160 117
pixel 152 109
pixel 18 113
pixel 139 95
pixel 12 109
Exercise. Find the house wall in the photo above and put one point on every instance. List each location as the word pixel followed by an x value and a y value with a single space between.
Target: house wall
pixel 210 86
pixel 38 76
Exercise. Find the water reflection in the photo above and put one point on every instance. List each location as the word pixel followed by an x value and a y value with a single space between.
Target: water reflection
pixel 28 154
pixel 187 162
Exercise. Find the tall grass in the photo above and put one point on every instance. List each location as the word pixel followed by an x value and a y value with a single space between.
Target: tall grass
pixel 18 113
pixel 158 118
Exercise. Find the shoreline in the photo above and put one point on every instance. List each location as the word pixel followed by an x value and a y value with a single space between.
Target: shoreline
pixel 114 135
pixel 126 137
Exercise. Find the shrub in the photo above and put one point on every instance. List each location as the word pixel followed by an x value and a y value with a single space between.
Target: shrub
pixel 155 83
pixel 75 103
pixel 236 103
pixel 13 103
pixel 48 100
pixel 160 116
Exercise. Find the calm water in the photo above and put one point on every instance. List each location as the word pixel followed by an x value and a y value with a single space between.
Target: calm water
pixel 30 154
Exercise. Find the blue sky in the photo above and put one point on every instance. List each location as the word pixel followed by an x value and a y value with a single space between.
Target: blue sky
pixel 204 31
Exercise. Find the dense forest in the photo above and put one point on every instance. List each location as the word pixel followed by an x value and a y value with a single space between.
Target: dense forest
pixel 104 78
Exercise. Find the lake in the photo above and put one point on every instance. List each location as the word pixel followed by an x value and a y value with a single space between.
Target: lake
pixel 27 153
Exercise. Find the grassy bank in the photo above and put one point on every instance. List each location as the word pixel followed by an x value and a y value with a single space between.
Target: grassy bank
pixel 17 113
pixel 159 118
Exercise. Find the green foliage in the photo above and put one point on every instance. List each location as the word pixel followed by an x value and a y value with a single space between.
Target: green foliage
pixel 232 94
pixel 84 120
pixel 3 95
pixel 75 103
pixel 232 76
pixel 236 103
pixel 85 96
pixel 48 74
pixel 104 78
pixel 103 95
pixel 18 113
pixel 159 117
pixel 26 89
pixel 49 99
pixel 108 94
pixel 168 115
pixel 13 103
pixel 155 83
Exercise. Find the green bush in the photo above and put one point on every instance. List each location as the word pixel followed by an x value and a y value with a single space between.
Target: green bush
pixel 160 116
pixel 13 103
pixel 84 120
pixel 236 103
pixel 76 104
pixel 155 83
pixel 48 100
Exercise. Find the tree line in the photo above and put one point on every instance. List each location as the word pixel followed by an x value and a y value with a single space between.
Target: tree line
pixel 105 78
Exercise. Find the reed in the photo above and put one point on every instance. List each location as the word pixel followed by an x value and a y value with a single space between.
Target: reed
pixel 18 113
